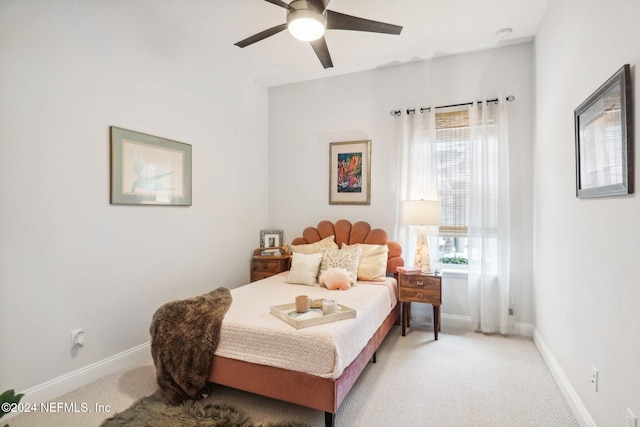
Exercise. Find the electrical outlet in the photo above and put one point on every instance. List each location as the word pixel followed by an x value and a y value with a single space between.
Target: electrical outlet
pixel 594 378
pixel 631 419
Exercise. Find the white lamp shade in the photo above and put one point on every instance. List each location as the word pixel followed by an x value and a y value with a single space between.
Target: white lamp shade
pixel 305 25
pixel 420 212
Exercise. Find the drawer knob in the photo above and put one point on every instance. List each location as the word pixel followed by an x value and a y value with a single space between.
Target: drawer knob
pixel 420 283
pixel 420 295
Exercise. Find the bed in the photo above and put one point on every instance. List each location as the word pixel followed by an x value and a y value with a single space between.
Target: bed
pixel 317 366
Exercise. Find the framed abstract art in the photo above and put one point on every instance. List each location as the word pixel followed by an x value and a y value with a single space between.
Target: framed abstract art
pixel 149 170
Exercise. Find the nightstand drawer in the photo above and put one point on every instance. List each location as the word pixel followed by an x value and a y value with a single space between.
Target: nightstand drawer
pixel 268 266
pixel 428 296
pixel 421 282
pixel 259 275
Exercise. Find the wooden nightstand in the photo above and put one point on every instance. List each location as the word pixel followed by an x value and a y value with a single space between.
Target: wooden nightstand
pixel 424 288
pixel 263 266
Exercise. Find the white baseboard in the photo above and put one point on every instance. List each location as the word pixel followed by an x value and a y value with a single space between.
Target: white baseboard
pixel 456 321
pixel 579 410
pixel 524 329
pixel 64 384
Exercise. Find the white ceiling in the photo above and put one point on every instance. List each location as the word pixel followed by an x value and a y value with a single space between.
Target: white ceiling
pixel 432 28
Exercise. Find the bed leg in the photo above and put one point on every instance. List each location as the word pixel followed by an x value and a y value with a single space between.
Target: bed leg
pixel 329 419
pixel 373 359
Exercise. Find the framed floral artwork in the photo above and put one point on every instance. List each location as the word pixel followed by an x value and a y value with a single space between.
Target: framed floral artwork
pixel 350 173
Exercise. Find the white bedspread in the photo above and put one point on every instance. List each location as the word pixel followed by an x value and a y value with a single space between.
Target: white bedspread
pixel 252 334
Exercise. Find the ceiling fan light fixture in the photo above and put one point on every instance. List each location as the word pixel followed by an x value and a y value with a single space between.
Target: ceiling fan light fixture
pixel 306 25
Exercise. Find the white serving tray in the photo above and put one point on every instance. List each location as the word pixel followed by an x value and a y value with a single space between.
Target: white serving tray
pixel 311 317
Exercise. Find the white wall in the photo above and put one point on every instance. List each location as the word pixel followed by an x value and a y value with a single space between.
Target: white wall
pixel 587 287
pixel 69 259
pixel 305 117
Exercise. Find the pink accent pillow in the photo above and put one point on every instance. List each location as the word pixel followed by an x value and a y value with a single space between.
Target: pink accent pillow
pixel 336 278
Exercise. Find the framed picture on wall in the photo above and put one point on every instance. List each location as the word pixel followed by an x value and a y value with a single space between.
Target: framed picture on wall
pixel 350 173
pixel 149 170
pixel 604 139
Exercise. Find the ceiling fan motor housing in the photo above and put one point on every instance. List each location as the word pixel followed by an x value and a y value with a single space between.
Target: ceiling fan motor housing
pixel 304 21
pixel 303 5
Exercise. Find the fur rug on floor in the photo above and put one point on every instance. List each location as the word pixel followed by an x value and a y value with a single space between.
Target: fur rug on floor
pixel 157 411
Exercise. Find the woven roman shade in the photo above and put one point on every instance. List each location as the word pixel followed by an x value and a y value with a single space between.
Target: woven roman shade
pixel 452 140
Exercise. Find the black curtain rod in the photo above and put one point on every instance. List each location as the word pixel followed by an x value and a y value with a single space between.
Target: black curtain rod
pixel 423 109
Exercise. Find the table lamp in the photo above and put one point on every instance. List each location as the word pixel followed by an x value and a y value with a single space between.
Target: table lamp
pixel 422 213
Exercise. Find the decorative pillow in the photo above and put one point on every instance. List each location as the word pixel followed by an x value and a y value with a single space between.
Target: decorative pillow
pixel 345 258
pixel 336 278
pixel 304 269
pixel 312 248
pixel 373 261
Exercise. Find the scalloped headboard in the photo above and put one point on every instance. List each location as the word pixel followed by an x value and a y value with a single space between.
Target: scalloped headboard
pixel 358 232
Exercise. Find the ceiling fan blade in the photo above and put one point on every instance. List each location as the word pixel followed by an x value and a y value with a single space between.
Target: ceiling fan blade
pixel 321 5
pixel 340 21
pixel 322 52
pixel 279 3
pixel 261 35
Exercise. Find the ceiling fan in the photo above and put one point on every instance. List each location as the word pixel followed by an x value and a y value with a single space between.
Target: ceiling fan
pixel 307 20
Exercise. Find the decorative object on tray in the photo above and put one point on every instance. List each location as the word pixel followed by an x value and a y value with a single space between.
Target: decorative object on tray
pixel 271 238
pixel 272 252
pixel 303 302
pixel 329 306
pixel 149 170
pixel 312 317
pixel 604 139
pixel 350 173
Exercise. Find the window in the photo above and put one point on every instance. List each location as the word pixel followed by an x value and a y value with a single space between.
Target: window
pixel 452 147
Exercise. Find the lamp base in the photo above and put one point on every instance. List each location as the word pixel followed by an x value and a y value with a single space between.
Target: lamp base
pixel 422 259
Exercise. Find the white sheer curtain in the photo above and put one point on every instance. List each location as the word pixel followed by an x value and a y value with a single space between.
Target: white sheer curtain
pixel 489 218
pixel 416 175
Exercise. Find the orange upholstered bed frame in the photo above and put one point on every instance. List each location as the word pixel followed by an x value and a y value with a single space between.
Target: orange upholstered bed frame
pixel 325 394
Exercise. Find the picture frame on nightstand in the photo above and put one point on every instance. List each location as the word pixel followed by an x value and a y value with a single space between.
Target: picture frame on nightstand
pixel 271 238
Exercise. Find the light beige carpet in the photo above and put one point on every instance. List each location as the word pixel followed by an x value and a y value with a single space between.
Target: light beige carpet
pixel 463 379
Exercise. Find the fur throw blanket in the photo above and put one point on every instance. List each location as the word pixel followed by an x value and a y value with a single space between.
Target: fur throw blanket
pixel 184 336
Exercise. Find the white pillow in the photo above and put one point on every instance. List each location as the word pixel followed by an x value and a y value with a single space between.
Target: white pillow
pixel 312 248
pixel 304 269
pixel 373 261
